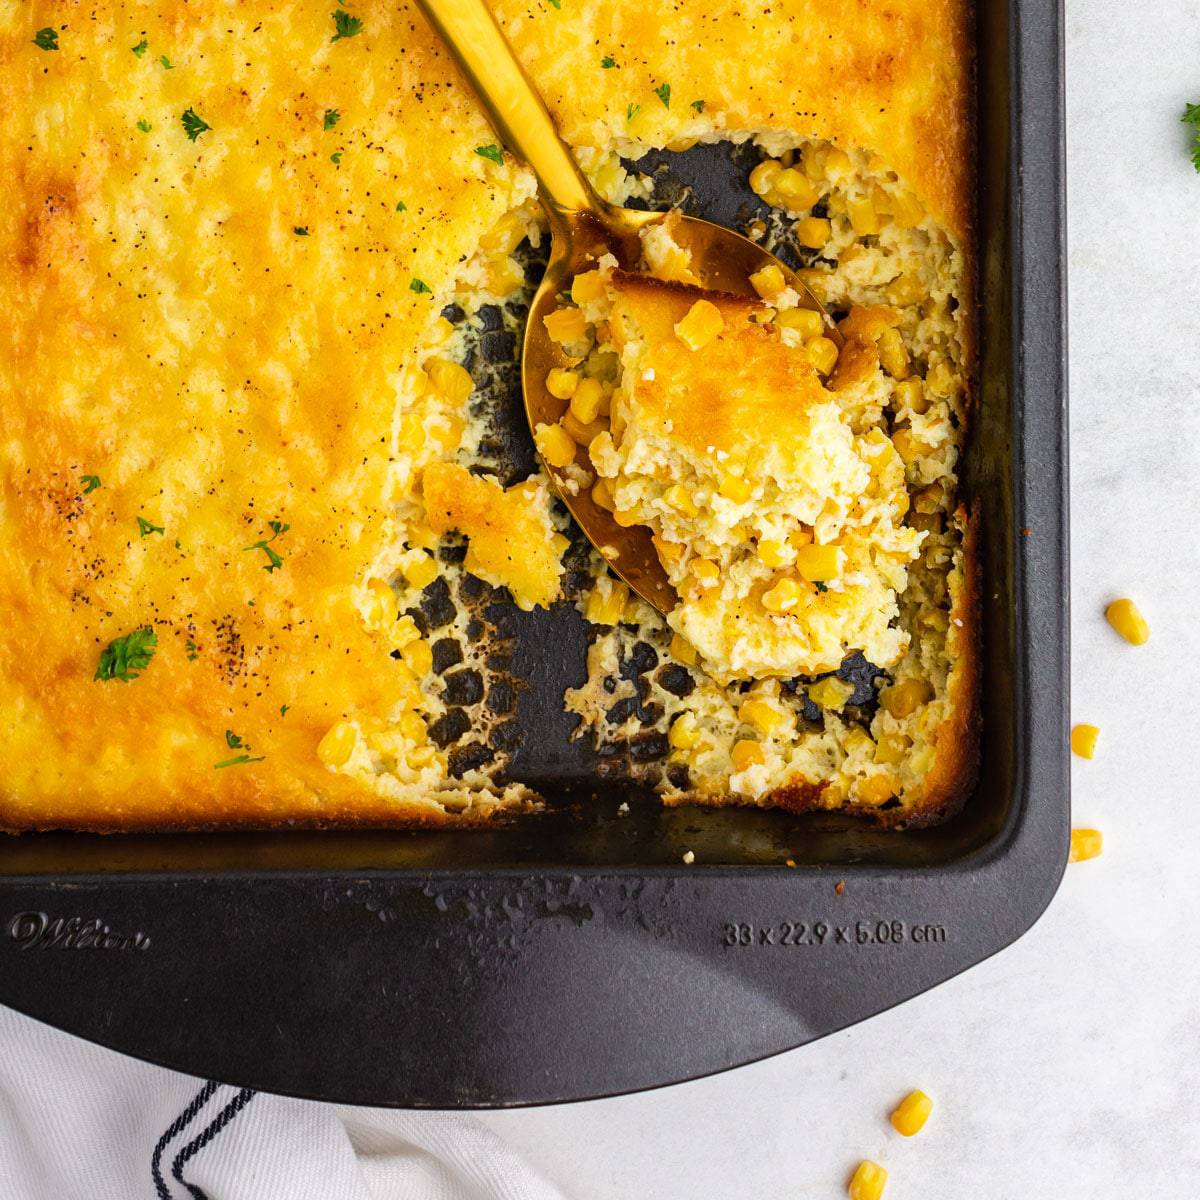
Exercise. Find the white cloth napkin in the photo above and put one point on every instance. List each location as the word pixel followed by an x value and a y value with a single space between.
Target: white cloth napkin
pixel 78 1122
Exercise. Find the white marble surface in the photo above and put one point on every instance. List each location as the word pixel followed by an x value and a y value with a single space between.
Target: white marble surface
pixel 1065 1066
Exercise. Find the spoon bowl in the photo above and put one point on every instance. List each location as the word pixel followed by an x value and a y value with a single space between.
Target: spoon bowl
pixel 584 227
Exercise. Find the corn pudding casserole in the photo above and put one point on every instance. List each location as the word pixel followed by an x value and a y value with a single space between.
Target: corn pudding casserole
pixel 277 547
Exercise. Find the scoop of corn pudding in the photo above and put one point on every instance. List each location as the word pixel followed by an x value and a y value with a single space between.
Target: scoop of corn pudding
pixel 780 525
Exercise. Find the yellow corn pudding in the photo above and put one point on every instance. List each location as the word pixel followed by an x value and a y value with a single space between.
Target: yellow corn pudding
pixel 276 547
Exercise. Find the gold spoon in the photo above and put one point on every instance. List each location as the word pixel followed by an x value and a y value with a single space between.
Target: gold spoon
pixel 583 227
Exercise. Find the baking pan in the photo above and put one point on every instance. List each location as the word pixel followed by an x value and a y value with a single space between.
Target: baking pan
pixel 573 954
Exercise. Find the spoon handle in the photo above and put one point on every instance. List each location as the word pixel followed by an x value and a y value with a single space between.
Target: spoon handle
pixel 512 103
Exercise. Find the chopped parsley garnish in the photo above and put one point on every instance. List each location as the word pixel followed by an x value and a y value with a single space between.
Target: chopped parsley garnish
pixel 145 125
pixel 90 483
pixel 145 527
pixel 821 587
pixel 283 709
pixel 401 206
pixel 663 92
pixel 608 62
pixel 698 105
pixel 238 761
pixel 556 3
pixel 632 111
pixel 193 125
pixel 190 648
pixel 336 158
pixel 124 658
pixel 234 742
pixel 166 62
pixel 332 117
pixel 140 48
pixel 492 152
pixel 419 285
pixel 345 25
pixel 1191 116
pixel 46 39
pixel 274 560
pixel 300 230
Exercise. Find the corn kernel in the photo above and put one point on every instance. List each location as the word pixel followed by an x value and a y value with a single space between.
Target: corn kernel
pixel 1085 844
pixel 773 553
pixel 735 488
pixel 877 789
pixel 335 748
pixel 837 162
pixel 503 275
pixel 561 383
pixel 447 432
pixel 589 401
pixel 939 379
pixel 822 352
pixel 505 236
pixel 907 210
pixel 418 657
pixel 421 756
pixel 683 650
pixel 555 445
pixel 381 610
pixel 892 749
pixel 910 394
pixel 420 572
pixel 566 325
pixel 795 190
pixel 905 290
pixel 747 754
pixel 701 324
pixel 813 232
pixel 762 178
pixel 413 728
pixel 893 354
pixel 1125 617
pixel 768 282
pixel 807 322
pixel 583 434
pixel 440 331
pixel 910 1115
pixel 684 732
pixel 908 445
pixel 626 517
pixel 402 631
pixel 1083 740
pixel 705 570
pixel 830 692
pixel 760 714
pixel 587 286
pixel 783 596
pixel 868 1182
pixel 602 496
pixel 818 564
pixel 679 497
pixel 606 602
pixel 863 217
pixel 904 698
pixel 454 382
pixel 668 552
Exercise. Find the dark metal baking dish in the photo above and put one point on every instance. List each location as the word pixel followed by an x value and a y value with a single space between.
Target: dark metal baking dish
pixel 574 954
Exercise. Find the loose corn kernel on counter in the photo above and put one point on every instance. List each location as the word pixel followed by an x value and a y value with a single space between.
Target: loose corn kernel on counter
pixel 271 525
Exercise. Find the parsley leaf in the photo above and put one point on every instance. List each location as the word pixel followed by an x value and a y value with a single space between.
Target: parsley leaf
pixel 632 111
pixel 193 125
pixel 663 92
pixel 401 206
pixel 492 152
pixel 234 742
pixel 1191 116
pixel 145 527
pixel 345 25
pixel 125 657
pixel 419 285
pixel 166 62
pixel 608 62
pixel 274 560
pixel 336 158
pixel 46 39
pixel 90 483
pixel 190 647
pixel 283 708
pixel 698 105
pixel 821 587
pixel 556 3
pixel 145 125
pixel 331 118
pixel 300 230
pixel 140 48
pixel 238 761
